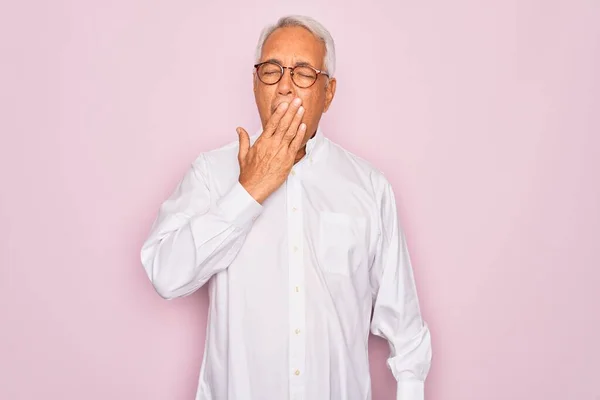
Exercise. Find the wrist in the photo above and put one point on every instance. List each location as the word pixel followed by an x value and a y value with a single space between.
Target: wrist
pixel 255 190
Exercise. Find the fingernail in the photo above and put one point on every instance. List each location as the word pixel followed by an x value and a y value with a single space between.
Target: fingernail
pixel 284 106
pixel 303 126
pixel 297 101
pixel 301 110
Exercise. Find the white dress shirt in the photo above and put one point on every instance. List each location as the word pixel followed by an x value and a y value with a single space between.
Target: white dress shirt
pixel 295 284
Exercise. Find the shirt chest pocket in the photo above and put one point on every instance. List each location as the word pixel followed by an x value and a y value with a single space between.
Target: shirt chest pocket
pixel 342 242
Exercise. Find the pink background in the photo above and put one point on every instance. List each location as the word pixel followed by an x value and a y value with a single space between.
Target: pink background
pixel 485 117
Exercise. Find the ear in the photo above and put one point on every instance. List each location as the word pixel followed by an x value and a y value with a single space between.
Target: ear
pixel 254 81
pixel 329 93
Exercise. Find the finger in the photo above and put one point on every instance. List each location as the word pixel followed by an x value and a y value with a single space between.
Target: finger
pixel 293 129
pixel 244 139
pixel 275 119
pixel 298 139
pixel 285 122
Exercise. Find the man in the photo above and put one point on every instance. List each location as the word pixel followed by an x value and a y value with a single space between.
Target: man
pixel 299 242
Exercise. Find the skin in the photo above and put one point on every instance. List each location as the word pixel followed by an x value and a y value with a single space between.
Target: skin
pixel 289 115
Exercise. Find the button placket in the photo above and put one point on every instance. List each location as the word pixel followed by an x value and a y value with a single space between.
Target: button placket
pixel 296 283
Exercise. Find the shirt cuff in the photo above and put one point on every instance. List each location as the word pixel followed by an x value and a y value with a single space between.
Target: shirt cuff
pixel 414 390
pixel 238 206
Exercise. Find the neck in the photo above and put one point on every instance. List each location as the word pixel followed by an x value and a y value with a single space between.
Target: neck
pixel 302 152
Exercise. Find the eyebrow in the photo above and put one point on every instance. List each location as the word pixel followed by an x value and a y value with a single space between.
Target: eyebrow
pixel 298 63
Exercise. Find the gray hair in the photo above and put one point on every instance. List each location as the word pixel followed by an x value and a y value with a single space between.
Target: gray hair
pixel 312 26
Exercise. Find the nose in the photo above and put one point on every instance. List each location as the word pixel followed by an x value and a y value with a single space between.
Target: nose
pixel 285 86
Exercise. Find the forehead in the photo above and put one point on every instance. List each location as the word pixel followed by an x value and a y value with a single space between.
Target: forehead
pixel 293 45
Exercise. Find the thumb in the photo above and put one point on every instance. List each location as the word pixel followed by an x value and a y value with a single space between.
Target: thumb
pixel 244 144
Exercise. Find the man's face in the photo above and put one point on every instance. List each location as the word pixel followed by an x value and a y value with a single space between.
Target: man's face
pixel 289 47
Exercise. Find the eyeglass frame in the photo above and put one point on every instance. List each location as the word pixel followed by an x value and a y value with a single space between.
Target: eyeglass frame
pixel 318 71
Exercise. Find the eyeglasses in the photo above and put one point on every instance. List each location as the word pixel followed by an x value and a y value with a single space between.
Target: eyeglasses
pixel 303 76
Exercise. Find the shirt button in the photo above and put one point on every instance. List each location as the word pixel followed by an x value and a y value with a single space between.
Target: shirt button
pixel 297 372
pixel 297 331
pixel 293 172
pixel 297 289
pixel 294 209
pixel 295 249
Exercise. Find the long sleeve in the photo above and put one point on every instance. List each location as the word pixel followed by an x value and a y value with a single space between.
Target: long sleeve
pixel 396 313
pixel 196 235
